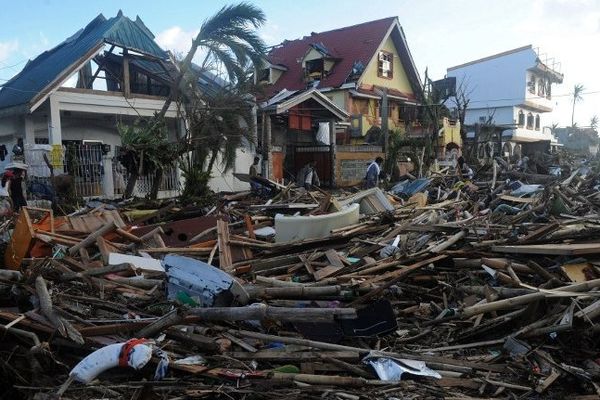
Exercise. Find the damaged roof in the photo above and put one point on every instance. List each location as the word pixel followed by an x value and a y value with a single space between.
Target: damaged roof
pixel 353 46
pixel 46 69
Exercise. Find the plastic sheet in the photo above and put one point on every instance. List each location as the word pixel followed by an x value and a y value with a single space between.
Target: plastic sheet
pixel 391 369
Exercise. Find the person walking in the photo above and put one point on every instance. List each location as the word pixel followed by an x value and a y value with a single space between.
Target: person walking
pixel 309 175
pixel 253 173
pixel 373 173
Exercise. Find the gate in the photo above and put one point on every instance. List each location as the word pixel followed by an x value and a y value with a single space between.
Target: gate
pixel 84 163
pixel 320 154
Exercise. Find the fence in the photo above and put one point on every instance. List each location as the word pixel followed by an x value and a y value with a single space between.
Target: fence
pixel 85 163
pixel 170 181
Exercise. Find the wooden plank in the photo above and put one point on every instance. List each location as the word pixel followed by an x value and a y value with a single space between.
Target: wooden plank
pixel 559 249
pixel 225 258
pixel 21 241
pixel 307 264
pixel 523 200
pixel 249 226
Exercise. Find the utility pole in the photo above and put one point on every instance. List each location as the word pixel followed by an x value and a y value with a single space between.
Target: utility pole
pixel 384 120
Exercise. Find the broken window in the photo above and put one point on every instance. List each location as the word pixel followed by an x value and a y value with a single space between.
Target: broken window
pixel 264 75
pixel 530 121
pixel 385 65
pixel 521 121
pixel 314 69
pixel 531 85
pixel 541 88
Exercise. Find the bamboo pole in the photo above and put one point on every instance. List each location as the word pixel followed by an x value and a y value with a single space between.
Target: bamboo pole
pixel 277 313
pixel 91 238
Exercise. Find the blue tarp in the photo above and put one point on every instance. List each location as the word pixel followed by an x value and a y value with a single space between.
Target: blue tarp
pixel 408 188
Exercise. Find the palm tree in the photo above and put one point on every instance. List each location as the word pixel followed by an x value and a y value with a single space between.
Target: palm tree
pixel 229 40
pixel 577 97
pixel 594 123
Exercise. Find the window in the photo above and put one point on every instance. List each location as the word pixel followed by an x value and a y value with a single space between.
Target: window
pixel 531 85
pixel 541 88
pixel 549 91
pixel 314 69
pixel 537 122
pixel 530 121
pixel 385 65
pixel 264 75
pixel 521 121
pixel 482 120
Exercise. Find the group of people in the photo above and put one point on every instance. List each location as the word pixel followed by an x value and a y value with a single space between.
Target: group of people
pixel 309 178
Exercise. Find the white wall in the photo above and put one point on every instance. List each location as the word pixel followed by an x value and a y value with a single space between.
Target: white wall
pixel 501 115
pixel 226 182
pixel 497 82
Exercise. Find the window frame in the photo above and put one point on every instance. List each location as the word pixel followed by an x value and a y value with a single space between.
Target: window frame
pixel 531 118
pixel 386 55
pixel 521 119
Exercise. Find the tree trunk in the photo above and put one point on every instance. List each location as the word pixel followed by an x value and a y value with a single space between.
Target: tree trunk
pixel 184 66
pixel 573 114
pixel 213 158
pixel 133 177
pixel 158 177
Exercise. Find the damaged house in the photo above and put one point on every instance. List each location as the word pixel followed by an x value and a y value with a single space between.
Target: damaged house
pixel 68 101
pixel 344 72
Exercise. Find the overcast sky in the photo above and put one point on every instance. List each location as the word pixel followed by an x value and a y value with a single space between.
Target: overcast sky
pixel 440 33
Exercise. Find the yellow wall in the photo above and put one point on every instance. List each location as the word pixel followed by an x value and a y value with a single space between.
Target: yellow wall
pixel 400 79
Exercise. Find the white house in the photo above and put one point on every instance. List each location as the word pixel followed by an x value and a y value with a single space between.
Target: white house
pixel 66 103
pixel 512 89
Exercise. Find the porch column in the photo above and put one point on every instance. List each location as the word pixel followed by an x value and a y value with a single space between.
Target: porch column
pixel 29 129
pixel 267 147
pixel 54 127
pixel 108 183
pixel 254 127
pixel 332 152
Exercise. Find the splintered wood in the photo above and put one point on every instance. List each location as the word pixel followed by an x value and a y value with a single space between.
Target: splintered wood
pixel 482 289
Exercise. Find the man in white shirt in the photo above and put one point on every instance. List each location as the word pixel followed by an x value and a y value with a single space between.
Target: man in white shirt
pixel 310 175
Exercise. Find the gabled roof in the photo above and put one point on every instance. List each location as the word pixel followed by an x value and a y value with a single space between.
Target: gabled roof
pixel 38 76
pixel 351 45
pixel 287 99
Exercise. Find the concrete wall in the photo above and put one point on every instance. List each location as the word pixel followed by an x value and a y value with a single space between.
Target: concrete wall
pixel 501 115
pixel 225 181
pixel 399 80
pixel 496 82
pixel 351 167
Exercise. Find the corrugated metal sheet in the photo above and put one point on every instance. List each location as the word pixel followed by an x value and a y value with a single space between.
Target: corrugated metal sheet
pixel 45 68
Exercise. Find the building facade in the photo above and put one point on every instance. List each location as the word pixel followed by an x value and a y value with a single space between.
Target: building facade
pixel 512 90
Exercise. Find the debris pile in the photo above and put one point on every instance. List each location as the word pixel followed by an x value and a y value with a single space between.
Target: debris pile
pixel 439 288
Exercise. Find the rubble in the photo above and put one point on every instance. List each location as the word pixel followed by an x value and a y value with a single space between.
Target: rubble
pixel 440 288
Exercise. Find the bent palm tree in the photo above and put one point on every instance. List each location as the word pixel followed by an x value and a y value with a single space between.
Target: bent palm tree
pixel 577 97
pixel 229 39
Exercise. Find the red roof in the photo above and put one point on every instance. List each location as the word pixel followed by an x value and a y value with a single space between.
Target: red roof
pixel 349 44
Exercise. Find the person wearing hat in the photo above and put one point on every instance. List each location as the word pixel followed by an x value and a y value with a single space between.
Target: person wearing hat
pixel 13 181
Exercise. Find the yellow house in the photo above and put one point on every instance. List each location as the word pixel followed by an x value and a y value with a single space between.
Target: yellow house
pixel 352 66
